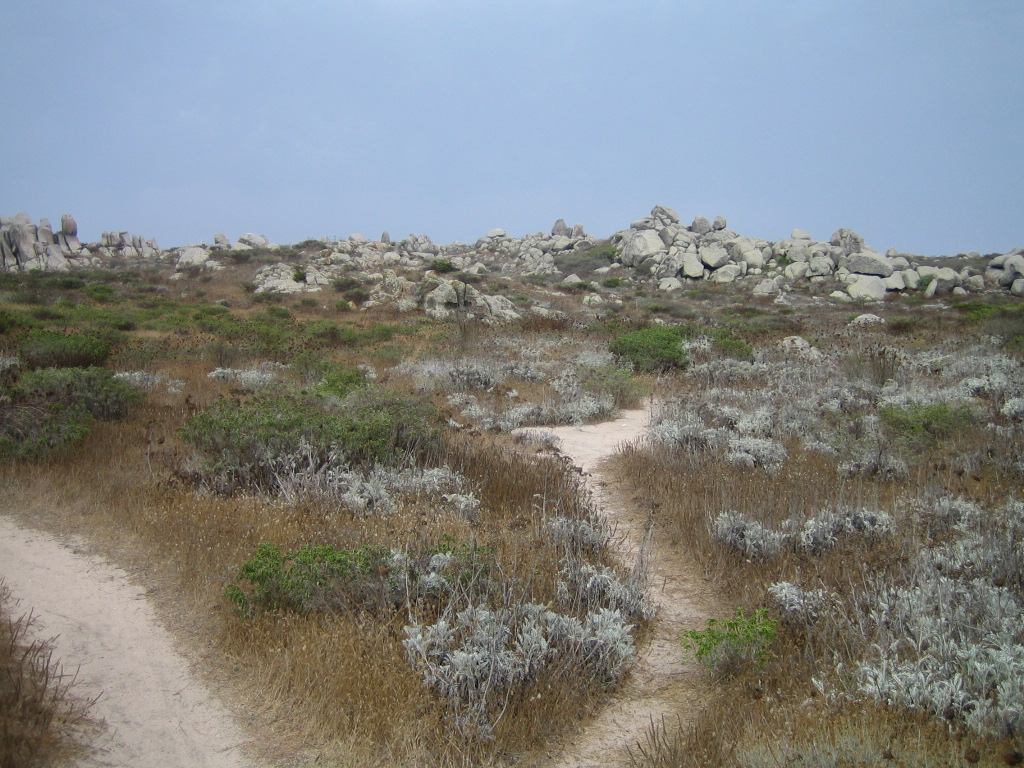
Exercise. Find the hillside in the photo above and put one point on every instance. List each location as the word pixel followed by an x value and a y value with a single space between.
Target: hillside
pixel 375 494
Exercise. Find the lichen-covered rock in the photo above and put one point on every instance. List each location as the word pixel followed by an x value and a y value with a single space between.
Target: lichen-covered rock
pixel 867 288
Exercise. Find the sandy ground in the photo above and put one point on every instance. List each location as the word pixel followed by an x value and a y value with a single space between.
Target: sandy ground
pixel 662 686
pixel 157 714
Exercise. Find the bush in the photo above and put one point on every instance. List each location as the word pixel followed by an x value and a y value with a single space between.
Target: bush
pixel 442 266
pixel 651 350
pixel 31 431
pixel 612 282
pixel 343 284
pixel 729 644
pixel 919 424
pixel 100 292
pixel 339 380
pixel 51 349
pixel 94 389
pixel 249 446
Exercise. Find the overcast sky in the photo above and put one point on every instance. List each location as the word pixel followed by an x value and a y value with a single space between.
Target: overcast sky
pixel 903 120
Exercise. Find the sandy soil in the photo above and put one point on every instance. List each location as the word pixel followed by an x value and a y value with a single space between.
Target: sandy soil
pixel 662 685
pixel 156 713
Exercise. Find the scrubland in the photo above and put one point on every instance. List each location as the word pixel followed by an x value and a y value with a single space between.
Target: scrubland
pixel 378 573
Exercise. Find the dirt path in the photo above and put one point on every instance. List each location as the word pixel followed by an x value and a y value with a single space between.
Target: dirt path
pixel 662 683
pixel 157 714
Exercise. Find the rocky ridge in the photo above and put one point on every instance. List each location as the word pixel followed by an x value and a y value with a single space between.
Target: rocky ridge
pixel 657 250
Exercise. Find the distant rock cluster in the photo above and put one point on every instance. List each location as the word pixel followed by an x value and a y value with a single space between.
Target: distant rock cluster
pixel 658 249
pixel 25 245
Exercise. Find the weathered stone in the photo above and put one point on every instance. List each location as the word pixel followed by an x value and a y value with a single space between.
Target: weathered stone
pixel 726 274
pixel 867 319
pixel 796 270
pixel 848 240
pixel 895 282
pixel 222 240
pixel 560 229
pixel 867 288
pixel 494 234
pixel 713 255
pixel 719 223
pixel 911 279
pixel 800 234
pixel 692 266
pixel 571 279
pixel 975 283
pixel 68 225
pixel 357 238
pixel 870 263
pixel 820 266
pixel 767 287
pixel 670 284
pixel 192 256
pixel 665 216
pixel 700 225
pixel 1017 287
pixel 578 231
pixel 639 246
pixel 253 240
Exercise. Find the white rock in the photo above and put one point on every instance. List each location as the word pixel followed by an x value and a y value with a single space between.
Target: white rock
pixel 870 263
pixel 895 282
pixel 800 234
pixel 795 343
pixel 867 288
pixel 796 270
pixel 192 256
pixel 867 319
pixel 496 233
pixel 1017 287
pixel 571 279
pixel 253 240
pixel 912 279
pixel 640 245
pixel 726 274
pixel 840 296
pixel 767 287
pixel 975 283
pixel 713 255
pixel 670 284
pixel 692 266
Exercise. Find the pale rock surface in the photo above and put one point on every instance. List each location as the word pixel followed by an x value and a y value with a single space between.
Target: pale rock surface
pixel 870 263
pixel 767 287
pixel 726 274
pixel 639 246
pixel 713 255
pixel 867 288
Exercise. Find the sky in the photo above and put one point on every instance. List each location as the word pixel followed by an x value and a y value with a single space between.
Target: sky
pixel 299 119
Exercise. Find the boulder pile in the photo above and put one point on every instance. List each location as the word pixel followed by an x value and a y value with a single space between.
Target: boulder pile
pixel 657 249
pixel 25 245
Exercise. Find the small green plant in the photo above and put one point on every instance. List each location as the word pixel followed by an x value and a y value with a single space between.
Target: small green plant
pixel 299 275
pixel 728 644
pixel 612 282
pixel 735 348
pixel 100 292
pixel 442 266
pixel 651 350
pixel 926 280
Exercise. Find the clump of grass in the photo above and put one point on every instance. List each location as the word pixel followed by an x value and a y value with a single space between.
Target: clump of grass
pixel 40 715
pixel 651 350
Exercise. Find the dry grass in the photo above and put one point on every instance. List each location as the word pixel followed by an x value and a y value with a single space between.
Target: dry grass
pixel 337 680
pixel 41 718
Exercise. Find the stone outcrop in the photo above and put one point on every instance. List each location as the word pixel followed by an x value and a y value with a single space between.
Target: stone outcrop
pixel 658 250
pixel 25 245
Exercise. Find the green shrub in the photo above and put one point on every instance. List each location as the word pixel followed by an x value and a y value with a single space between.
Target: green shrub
pixel 29 431
pixel 357 295
pixel 728 644
pixel 918 424
pixel 94 389
pixel 245 446
pixel 442 266
pixel 612 282
pixel 100 292
pixel 975 311
pixel 340 380
pixel 609 379
pixel 307 579
pixel 51 349
pixel 651 350
pixel 735 348
pixel 278 313
pixel 299 275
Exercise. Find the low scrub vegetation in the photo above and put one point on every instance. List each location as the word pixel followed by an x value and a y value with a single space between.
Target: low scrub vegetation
pixel 349 519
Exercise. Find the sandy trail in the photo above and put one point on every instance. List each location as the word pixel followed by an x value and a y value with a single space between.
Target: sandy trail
pixel 157 714
pixel 662 684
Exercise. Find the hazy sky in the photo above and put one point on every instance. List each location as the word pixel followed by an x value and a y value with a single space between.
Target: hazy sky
pixel 176 120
